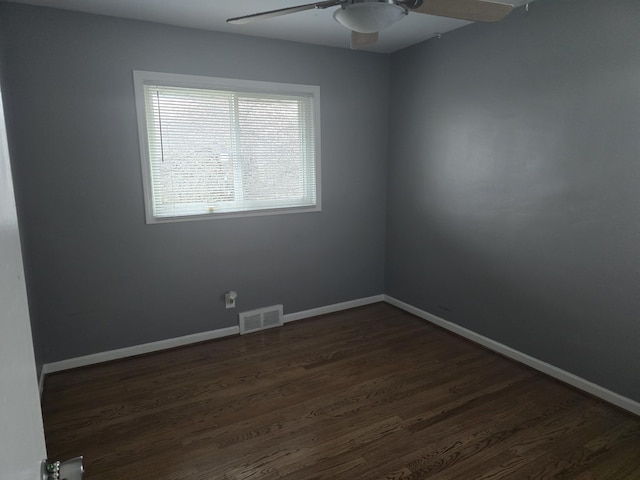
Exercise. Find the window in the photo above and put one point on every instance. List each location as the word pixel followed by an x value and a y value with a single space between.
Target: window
pixel 215 147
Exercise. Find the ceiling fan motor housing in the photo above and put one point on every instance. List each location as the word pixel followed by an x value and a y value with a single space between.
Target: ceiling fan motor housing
pixel 370 16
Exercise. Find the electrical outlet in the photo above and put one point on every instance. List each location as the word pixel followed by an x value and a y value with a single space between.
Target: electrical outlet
pixel 230 299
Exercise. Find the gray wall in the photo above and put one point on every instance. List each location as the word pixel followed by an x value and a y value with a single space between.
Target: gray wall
pixel 25 264
pixel 512 179
pixel 100 278
pixel 514 184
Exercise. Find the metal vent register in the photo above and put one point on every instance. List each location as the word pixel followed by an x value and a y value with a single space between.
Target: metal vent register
pixel 260 319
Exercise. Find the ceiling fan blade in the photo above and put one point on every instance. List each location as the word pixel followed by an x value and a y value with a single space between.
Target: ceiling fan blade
pixel 473 10
pixel 283 11
pixel 361 40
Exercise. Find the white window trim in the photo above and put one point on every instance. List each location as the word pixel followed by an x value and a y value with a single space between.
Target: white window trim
pixel 250 86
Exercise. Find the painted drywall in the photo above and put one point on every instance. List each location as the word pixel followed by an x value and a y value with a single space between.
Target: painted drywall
pixel 25 258
pixel 100 278
pixel 22 446
pixel 514 184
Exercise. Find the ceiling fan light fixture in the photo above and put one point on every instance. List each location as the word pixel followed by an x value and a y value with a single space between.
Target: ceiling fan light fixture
pixel 369 17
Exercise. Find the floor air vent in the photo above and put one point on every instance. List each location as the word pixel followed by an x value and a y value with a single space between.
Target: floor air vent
pixel 260 319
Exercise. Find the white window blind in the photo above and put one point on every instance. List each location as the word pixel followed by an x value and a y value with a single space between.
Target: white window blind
pixel 214 150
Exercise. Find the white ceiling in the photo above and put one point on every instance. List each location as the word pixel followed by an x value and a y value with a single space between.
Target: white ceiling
pixel 312 26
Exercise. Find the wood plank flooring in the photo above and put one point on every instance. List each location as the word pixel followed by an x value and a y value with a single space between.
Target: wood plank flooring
pixel 367 394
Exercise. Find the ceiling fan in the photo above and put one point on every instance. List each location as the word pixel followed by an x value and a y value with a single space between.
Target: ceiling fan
pixel 365 18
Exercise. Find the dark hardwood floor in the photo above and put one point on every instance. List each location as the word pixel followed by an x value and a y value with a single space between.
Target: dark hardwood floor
pixel 370 393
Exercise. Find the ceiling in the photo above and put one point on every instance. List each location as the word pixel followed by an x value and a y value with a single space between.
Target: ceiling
pixel 312 26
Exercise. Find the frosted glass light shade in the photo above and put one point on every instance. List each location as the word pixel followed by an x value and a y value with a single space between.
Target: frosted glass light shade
pixel 369 17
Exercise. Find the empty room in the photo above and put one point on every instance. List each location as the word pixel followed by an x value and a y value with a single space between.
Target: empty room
pixel 351 239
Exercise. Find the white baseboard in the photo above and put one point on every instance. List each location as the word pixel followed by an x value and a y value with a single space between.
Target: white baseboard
pixel 136 350
pixel 41 380
pixel 562 375
pixel 189 339
pixel 336 307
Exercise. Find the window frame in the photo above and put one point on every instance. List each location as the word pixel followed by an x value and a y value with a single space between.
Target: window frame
pixel 142 78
